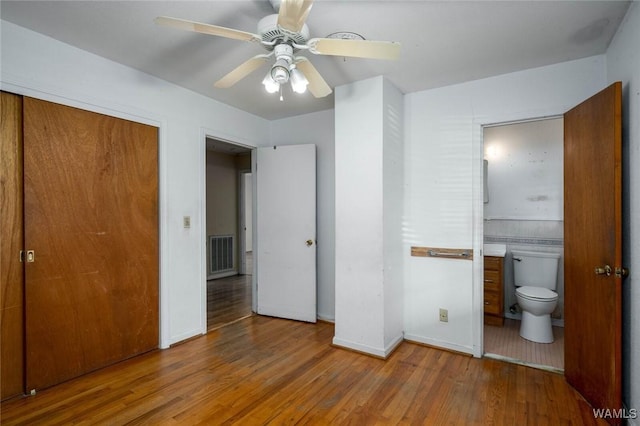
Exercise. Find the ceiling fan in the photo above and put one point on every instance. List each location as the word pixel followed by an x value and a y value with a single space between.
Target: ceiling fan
pixel 284 35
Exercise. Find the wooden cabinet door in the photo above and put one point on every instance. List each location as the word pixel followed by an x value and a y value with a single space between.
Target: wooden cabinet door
pixel 91 219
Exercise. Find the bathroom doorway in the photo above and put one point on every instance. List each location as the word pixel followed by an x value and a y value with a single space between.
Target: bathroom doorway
pixel 523 210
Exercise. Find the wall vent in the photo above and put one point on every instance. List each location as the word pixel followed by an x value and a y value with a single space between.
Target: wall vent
pixel 220 253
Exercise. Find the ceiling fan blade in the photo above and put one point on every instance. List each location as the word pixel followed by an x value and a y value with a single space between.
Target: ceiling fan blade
pixel 242 71
pixel 183 24
pixel 355 48
pixel 317 86
pixel 293 14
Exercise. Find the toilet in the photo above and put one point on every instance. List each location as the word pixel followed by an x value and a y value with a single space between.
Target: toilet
pixel 535 277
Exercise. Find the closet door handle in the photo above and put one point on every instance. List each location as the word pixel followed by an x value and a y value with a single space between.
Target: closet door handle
pixel 600 270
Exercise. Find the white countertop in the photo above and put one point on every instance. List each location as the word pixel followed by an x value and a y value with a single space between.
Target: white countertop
pixel 497 250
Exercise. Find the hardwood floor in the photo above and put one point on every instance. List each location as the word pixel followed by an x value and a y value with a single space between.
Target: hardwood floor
pixel 264 370
pixel 228 299
pixel 506 342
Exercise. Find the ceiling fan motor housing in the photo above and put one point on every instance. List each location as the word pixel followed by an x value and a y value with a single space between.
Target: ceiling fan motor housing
pixel 269 30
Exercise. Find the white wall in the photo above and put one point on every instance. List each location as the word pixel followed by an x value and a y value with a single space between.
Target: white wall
pixel 221 201
pixel 38 66
pixel 525 170
pixel 222 198
pixel 368 210
pixel 623 64
pixel 443 201
pixel 318 129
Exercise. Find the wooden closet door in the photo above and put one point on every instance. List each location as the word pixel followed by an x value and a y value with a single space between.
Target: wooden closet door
pixel 11 242
pixel 91 219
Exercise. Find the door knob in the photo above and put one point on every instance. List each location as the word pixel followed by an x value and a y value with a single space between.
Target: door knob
pixel 603 270
pixel 309 243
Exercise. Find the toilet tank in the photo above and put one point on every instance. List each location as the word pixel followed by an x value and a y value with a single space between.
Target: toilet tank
pixel 535 269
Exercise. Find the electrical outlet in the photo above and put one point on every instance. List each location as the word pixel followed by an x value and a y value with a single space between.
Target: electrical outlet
pixel 444 315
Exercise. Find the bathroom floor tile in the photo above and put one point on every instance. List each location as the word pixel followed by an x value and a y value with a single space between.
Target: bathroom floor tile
pixel 506 342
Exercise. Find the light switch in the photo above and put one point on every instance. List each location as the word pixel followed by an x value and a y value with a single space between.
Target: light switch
pixel 186 222
pixel 444 315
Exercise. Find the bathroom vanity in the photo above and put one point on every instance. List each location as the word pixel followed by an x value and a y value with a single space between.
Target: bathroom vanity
pixel 493 284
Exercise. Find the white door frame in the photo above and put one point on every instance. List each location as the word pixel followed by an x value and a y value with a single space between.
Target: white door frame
pixel 242 219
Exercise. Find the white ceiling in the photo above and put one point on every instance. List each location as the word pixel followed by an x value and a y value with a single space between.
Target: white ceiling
pixel 443 42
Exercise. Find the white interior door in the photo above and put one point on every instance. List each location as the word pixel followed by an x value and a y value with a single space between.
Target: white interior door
pixel 285 250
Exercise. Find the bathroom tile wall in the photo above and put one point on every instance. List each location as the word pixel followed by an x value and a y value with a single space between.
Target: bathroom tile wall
pixel 529 235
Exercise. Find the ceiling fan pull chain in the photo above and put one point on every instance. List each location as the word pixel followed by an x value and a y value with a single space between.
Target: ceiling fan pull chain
pixel 281 98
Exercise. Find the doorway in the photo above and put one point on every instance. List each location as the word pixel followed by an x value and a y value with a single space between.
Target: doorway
pixel 229 293
pixel 283 234
pixel 523 211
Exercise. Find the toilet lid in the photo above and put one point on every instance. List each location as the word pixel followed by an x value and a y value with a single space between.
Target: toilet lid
pixel 537 293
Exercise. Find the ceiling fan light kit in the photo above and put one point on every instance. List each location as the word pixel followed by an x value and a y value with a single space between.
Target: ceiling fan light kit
pixel 299 82
pixel 283 71
pixel 283 34
pixel 269 84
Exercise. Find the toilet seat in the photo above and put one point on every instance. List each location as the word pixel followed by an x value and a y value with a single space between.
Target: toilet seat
pixel 537 293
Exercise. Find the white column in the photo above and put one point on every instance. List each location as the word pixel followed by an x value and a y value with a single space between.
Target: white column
pixel 369 200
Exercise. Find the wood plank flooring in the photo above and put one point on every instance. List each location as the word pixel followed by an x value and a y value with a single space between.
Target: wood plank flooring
pixel 506 342
pixel 262 370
